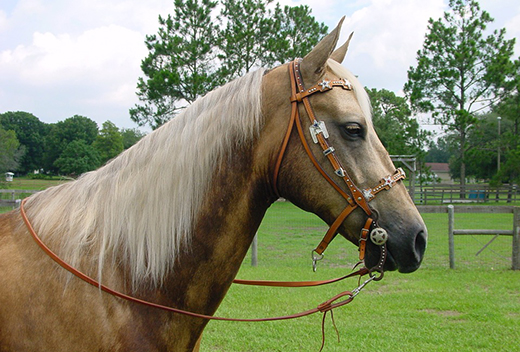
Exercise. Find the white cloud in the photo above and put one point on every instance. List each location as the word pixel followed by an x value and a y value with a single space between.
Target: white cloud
pixel 96 67
pixel 59 58
pixel 80 57
pixel 388 34
pixel 96 54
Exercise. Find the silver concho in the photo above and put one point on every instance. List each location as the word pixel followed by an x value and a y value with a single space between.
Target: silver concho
pixel 379 236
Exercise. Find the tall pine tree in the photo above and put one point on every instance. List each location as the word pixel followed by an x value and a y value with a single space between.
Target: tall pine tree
pixel 180 65
pixel 459 71
pixel 193 52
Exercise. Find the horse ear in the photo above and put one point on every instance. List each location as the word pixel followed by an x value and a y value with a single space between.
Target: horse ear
pixel 314 62
pixel 339 54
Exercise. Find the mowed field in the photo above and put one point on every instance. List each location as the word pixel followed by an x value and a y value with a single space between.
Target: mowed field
pixel 475 307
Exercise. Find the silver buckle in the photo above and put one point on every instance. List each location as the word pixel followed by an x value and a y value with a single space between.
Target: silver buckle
pixel 315 259
pixel 317 128
pixel 328 151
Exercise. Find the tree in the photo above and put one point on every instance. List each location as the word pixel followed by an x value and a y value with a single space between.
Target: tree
pixel 509 107
pixel 439 152
pixel 481 151
pixel 10 151
pixel 244 41
pixel 131 136
pixel 192 54
pixel 109 142
pixel 510 169
pixel 295 33
pixel 30 132
pixel 398 131
pixel 64 132
pixel 77 158
pixel 509 141
pixel 179 67
pixel 459 71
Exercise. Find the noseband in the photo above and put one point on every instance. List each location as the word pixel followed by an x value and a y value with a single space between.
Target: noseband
pixel 319 134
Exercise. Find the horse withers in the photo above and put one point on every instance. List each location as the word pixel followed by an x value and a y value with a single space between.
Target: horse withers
pixel 170 220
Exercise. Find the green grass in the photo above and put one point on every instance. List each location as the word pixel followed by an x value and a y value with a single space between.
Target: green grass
pixel 33 184
pixel 25 183
pixel 473 308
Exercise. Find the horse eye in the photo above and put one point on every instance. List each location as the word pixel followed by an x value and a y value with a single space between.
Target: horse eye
pixel 353 130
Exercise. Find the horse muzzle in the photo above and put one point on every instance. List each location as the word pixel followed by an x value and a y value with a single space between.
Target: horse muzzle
pixel 405 249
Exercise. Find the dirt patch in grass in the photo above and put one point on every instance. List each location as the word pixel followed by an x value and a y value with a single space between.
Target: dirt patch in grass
pixel 443 313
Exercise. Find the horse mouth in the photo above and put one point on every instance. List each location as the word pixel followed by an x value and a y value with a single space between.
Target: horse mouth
pixel 405 260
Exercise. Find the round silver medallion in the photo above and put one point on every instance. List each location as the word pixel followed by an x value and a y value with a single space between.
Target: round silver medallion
pixel 379 236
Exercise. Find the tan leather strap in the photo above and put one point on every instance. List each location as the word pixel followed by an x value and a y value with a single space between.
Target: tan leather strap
pixel 333 230
pixel 323 307
pixel 360 272
pixel 317 164
pixel 364 237
pixel 281 153
pixel 356 193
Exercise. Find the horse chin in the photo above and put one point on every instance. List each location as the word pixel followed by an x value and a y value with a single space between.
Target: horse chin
pixel 373 255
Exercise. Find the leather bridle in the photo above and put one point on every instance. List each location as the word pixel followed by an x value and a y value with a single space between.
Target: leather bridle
pixel 319 134
pixel 357 198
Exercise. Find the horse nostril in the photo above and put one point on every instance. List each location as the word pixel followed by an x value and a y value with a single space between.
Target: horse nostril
pixel 420 244
pixel 410 259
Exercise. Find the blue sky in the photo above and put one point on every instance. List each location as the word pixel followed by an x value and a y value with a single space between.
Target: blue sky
pixel 59 58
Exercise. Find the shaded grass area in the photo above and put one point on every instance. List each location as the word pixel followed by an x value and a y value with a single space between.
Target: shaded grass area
pixel 473 308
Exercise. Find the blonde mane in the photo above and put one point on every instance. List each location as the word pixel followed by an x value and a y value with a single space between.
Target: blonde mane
pixel 140 208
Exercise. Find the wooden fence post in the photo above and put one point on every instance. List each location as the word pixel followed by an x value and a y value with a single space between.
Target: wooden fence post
pixel 515 259
pixel 451 240
pixel 254 251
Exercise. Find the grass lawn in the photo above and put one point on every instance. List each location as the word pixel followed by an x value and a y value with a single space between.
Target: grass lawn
pixel 475 307
pixel 24 183
pixel 34 184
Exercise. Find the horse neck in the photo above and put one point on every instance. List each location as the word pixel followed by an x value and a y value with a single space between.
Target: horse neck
pixel 230 215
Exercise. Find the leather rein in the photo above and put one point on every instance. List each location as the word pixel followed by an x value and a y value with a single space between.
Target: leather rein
pixel 358 199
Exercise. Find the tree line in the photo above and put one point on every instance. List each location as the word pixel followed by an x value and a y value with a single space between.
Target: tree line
pixel 467 80
pixel 464 79
pixel 69 147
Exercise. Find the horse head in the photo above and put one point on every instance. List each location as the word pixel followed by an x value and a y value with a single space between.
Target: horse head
pixel 331 161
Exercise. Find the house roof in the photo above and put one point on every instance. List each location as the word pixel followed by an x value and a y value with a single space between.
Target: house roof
pixel 439 167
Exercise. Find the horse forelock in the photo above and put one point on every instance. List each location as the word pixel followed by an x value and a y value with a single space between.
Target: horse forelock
pixel 359 91
pixel 141 207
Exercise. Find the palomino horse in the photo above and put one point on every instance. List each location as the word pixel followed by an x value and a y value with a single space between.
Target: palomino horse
pixel 170 220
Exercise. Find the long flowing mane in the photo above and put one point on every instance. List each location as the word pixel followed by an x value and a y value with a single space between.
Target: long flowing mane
pixel 140 207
